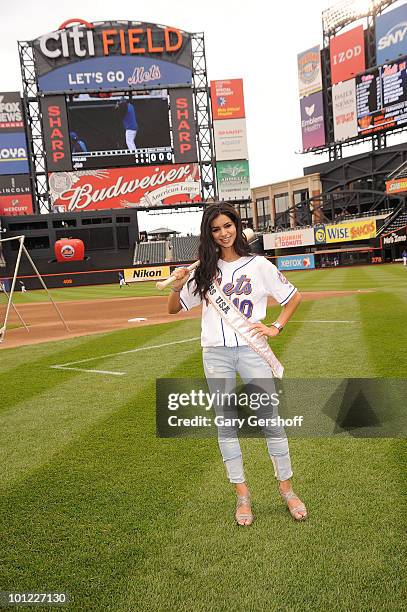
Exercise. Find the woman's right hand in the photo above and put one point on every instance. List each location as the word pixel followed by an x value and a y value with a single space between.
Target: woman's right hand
pixel 181 277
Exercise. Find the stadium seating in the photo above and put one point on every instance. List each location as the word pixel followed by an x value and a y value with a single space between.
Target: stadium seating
pixel 149 252
pixel 185 248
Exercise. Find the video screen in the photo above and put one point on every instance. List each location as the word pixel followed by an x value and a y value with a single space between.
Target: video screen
pixel 119 130
pixel 382 98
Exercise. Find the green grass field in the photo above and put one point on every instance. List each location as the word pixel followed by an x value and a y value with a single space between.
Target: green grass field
pixel 94 504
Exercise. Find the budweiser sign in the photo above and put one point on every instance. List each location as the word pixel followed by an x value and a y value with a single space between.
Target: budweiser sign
pixel 139 187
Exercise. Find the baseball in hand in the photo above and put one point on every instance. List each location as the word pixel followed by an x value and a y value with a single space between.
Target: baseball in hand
pixel 249 233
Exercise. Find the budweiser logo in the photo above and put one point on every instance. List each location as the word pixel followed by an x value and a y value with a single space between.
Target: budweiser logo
pixel 83 196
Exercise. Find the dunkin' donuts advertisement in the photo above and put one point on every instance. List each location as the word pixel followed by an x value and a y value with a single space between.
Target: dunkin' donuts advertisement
pixel 142 187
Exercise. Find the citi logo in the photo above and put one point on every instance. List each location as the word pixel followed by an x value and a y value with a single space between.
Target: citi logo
pixel 394 36
pixel 346 56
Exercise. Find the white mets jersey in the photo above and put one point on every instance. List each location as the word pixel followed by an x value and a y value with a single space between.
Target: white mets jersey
pixel 247 282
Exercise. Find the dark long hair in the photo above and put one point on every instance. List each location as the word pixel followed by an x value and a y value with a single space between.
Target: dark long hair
pixel 209 251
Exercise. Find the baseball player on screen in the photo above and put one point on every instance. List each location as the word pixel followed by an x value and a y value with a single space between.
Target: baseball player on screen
pixel 129 121
pixel 243 280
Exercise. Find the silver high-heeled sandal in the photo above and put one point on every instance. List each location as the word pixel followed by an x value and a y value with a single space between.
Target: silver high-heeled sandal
pixel 243 500
pixel 293 511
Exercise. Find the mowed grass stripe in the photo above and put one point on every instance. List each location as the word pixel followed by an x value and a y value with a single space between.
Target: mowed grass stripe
pixel 131 524
pixel 91 292
pixel 33 362
pixel 384 330
pixel 63 416
pixel 323 350
pixel 189 569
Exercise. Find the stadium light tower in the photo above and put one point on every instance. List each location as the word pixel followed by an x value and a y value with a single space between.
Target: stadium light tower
pixel 347 11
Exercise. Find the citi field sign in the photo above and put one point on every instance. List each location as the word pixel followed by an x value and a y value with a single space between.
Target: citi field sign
pixel 82 56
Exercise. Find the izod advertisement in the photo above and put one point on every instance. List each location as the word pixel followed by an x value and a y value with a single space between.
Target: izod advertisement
pixel 56 133
pixel 112 55
pixel 183 125
pixel 309 71
pixel 233 180
pixel 312 121
pixel 227 99
pixel 149 186
pixel 345 232
pixel 344 110
pixel 347 53
pixel 230 139
pixel 391 35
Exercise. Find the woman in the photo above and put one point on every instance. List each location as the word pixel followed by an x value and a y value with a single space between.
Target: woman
pixel 246 280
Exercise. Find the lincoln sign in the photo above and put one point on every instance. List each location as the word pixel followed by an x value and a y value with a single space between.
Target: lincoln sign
pixel 140 187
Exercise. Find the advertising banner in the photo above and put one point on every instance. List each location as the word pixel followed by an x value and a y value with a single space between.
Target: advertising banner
pixel 16 205
pixel 381 98
pixel 230 139
pixel 133 275
pixel 344 110
pixel 296 262
pixel 346 232
pixel 396 185
pixel 312 121
pixel 149 186
pixel 227 99
pixel 233 180
pixel 399 236
pixel 309 71
pixel 347 53
pixel 56 133
pixel 391 35
pixel 11 112
pixel 15 185
pixel 183 125
pixel 15 195
pixel 112 55
pixel 13 153
pixel 287 240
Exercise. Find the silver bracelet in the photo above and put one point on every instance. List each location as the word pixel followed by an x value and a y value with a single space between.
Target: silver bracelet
pixel 278 326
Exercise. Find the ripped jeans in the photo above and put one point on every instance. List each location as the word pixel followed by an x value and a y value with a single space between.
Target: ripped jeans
pixel 221 365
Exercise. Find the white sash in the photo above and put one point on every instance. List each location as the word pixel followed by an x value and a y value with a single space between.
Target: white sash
pixel 240 324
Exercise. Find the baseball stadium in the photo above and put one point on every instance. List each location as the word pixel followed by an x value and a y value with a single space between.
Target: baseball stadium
pixel 103 508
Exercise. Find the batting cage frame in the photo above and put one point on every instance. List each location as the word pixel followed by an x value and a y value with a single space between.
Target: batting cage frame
pixel 10 305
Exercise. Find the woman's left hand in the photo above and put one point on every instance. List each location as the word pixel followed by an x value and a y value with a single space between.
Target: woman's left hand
pixel 259 330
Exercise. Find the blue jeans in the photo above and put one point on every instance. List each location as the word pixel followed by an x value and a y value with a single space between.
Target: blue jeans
pixel 221 364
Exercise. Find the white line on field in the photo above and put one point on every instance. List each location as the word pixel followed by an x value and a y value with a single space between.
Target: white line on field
pixel 66 366
pixel 316 321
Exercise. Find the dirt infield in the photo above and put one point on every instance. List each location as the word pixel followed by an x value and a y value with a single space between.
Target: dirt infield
pixel 97 316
